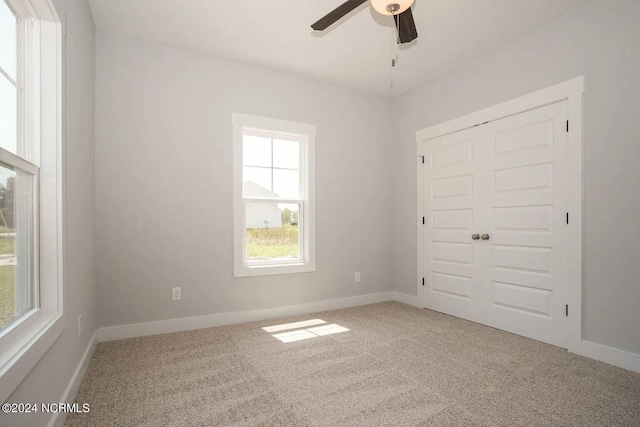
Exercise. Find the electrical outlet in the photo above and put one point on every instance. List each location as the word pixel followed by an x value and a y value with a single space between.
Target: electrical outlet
pixel 176 294
pixel 357 277
pixel 80 325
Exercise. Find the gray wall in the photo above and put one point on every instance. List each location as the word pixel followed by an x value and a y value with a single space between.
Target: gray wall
pixel 600 40
pixel 164 174
pixel 50 377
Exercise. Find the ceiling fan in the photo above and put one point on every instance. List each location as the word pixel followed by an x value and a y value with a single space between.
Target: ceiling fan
pixel 399 9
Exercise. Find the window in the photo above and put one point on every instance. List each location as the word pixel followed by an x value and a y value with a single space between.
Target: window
pixel 18 181
pixel 30 187
pixel 274 230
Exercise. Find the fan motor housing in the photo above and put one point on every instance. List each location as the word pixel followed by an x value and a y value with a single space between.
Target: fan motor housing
pixel 391 7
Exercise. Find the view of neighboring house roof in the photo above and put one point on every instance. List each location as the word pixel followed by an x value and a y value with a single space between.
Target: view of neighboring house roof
pixel 251 189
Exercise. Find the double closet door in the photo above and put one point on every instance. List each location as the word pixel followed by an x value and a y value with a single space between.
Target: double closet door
pixel 495 233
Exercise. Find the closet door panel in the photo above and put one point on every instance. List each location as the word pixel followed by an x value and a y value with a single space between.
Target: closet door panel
pixel 451 216
pixel 524 214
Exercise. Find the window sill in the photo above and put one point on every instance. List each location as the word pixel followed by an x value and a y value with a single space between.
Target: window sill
pixel 27 352
pixel 268 270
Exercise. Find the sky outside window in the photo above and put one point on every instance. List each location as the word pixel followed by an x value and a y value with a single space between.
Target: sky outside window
pixel 272 164
pixel 8 77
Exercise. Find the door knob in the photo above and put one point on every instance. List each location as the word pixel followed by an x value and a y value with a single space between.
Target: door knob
pixel 485 237
pixel 475 236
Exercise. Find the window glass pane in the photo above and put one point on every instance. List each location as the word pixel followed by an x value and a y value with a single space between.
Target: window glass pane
pixel 286 183
pixel 8 116
pixel 256 182
pixel 16 245
pixel 256 151
pixel 7 40
pixel 286 154
pixel 272 231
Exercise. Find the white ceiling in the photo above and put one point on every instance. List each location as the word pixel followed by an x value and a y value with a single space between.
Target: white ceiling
pixel 355 52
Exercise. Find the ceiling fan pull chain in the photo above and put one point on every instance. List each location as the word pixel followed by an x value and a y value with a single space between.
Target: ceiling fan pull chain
pixel 394 44
pixel 394 58
pixel 396 27
pixel 393 53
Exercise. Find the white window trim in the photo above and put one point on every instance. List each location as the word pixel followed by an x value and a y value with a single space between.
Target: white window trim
pixel 24 343
pixel 308 263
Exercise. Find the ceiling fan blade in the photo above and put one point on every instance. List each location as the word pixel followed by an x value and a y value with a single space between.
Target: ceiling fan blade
pixel 336 14
pixel 406 26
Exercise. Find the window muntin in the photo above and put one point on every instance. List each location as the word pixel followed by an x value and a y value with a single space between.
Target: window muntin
pixel 273 163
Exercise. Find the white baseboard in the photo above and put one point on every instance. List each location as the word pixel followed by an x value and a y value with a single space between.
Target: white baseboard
pixel 407 299
pixel 71 391
pixel 111 333
pixel 610 355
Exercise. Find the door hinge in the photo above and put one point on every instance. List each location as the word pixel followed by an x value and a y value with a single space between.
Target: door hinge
pixel 567 217
pixel 566 310
pixel 422 220
pixel 423 281
pixel 567 125
pixel 422 159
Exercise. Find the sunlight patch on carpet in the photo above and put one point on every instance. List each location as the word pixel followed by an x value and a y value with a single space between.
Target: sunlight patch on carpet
pixel 295 325
pixel 305 334
pixel 328 329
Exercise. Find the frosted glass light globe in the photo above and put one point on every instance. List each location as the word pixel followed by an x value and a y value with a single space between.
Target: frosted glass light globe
pixel 381 6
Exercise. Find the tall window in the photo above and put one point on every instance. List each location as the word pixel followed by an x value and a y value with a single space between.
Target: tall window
pixel 18 182
pixel 273 200
pixel 30 187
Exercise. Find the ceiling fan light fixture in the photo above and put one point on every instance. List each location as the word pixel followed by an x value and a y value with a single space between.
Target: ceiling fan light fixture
pixel 391 7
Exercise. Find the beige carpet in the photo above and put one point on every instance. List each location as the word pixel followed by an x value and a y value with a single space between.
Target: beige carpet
pixel 396 365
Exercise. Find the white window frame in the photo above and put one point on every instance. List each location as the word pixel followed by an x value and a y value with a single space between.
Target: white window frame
pixel 305 133
pixel 25 341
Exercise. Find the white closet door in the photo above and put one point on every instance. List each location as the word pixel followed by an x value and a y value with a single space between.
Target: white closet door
pixel 507 182
pixel 451 216
pixel 524 213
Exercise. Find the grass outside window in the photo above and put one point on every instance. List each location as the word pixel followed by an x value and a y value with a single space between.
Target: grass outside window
pixel 8 303
pixel 272 243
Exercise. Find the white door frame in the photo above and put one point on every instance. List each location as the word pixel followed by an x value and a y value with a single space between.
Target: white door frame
pixel 571 91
